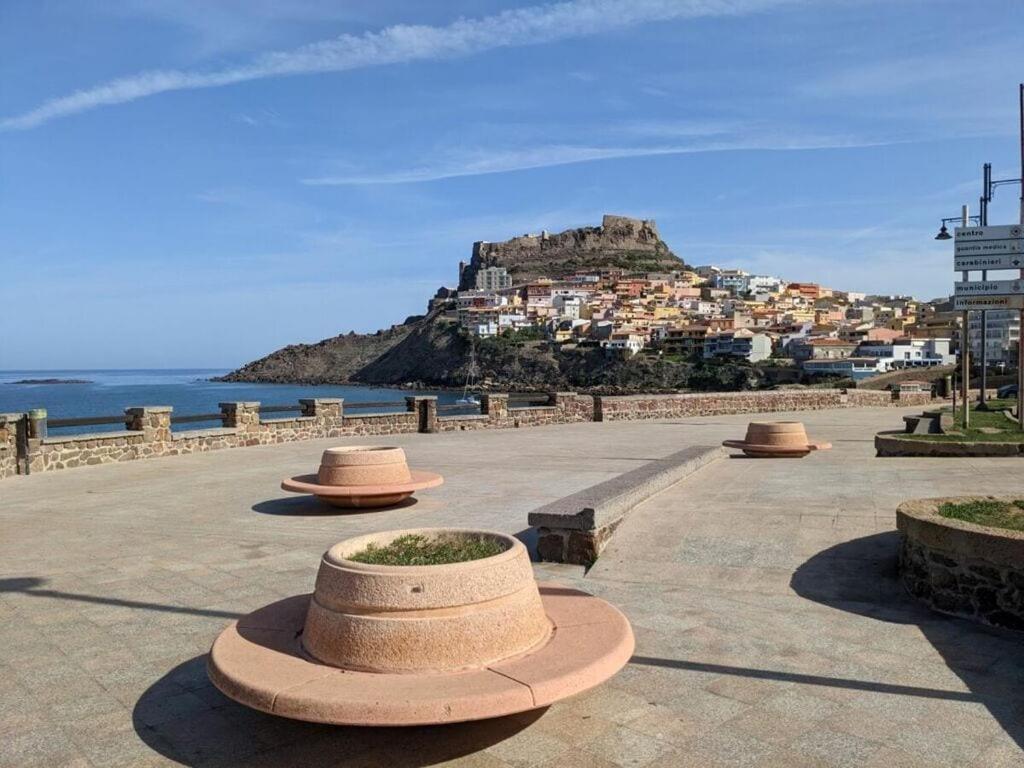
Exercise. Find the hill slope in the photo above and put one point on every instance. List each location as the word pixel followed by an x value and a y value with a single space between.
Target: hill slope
pixel 330 361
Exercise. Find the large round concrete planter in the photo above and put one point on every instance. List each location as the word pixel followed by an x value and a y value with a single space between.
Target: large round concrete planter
pixel 776 440
pixel 961 568
pixel 363 476
pixel 411 645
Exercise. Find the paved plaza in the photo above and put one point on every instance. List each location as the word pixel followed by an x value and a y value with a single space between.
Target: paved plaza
pixel 770 628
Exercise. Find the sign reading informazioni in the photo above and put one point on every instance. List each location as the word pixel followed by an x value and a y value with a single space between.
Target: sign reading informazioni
pixel 962 303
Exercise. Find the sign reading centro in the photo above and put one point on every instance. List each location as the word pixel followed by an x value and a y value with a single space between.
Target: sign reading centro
pixel 998 232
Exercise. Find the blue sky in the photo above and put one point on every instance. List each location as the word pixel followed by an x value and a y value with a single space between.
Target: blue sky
pixel 198 182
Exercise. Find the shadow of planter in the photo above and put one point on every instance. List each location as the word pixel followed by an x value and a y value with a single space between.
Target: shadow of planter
pixel 860 576
pixel 184 718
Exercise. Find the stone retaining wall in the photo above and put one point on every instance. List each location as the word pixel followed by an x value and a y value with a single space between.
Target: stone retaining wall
pixel 148 431
pixel 723 403
pixel 961 568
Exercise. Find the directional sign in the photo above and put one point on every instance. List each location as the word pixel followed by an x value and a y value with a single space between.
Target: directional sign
pixel 989 288
pixel 999 232
pixel 961 303
pixel 1010 259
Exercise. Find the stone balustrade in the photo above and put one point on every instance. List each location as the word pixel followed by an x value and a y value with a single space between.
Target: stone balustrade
pixel 148 431
pixel 9 443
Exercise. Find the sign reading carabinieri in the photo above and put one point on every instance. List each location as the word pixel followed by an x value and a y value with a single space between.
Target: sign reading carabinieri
pixel 989 248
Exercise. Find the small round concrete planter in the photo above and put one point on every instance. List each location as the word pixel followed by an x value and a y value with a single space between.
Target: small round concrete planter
pixel 776 440
pixel 961 568
pixel 383 645
pixel 363 476
pixel 896 443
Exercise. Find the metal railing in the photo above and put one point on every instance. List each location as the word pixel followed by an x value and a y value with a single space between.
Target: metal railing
pixel 516 400
pixel 195 418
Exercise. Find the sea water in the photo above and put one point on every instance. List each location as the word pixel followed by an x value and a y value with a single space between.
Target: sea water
pixel 188 391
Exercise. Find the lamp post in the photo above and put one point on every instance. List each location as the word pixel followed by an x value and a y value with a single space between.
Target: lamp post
pixel 965 343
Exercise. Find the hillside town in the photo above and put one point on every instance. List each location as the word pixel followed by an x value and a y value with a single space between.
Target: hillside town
pixel 717 313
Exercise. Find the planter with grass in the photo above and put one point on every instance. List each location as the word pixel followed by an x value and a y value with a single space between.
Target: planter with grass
pixel 965 556
pixel 421 626
pixel 992 431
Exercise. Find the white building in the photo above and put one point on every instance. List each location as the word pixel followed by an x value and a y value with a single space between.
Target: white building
pixel 764 284
pixel 492 279
pixel 630 343
pixel 743 343
pixel 567 306
pixel 908 353
pixel 1002 332
pixel 733 280
pixel 855 368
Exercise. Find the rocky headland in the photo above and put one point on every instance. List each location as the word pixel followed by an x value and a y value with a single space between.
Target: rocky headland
pixel 433 351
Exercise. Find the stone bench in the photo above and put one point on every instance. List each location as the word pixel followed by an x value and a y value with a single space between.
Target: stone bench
pixel 576 528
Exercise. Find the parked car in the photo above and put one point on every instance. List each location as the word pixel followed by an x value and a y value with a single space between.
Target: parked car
pixel 1007 390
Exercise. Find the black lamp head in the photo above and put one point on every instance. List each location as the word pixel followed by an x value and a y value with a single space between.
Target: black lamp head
pixel 943 233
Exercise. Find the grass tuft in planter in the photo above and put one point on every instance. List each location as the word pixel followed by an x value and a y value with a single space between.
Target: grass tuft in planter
pixel 990 512
pixel 414 549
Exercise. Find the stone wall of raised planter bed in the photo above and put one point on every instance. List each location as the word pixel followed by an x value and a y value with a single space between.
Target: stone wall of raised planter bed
pixel 896 443
pixel 961 568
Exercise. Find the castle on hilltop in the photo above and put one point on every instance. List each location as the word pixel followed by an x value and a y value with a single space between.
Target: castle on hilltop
pixel 552 255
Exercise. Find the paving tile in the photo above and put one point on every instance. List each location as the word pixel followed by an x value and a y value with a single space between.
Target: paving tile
pixel 839 750
pixel 628 748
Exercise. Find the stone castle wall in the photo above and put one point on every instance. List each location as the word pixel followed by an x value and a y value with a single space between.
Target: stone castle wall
pixel 616 233
pixel 148 431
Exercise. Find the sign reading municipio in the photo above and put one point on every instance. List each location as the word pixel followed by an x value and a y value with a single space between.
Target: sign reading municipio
pixel 964 303
pixel 989 288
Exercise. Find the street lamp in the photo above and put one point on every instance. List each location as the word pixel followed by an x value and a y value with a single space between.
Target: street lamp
pixel 944 232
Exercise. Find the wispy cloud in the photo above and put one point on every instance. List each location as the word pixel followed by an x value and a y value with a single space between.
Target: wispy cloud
pixel 478 162
pixel 400 43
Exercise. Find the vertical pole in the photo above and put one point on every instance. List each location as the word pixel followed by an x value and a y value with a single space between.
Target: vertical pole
pixel 1020 330
pixel 986 198
pixel 965 342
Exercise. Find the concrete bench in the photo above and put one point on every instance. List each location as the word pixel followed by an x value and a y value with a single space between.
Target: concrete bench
pixel 576 528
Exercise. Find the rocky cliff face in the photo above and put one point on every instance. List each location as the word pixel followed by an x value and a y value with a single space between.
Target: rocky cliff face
pixel 331 361
pixel 632 244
